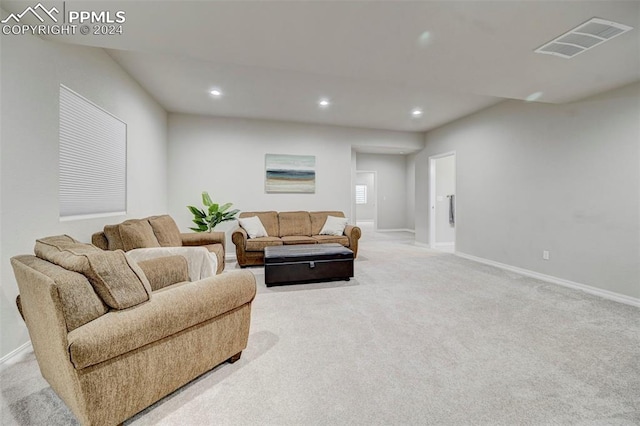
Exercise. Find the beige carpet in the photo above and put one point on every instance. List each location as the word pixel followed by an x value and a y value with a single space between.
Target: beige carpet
pixel 419 337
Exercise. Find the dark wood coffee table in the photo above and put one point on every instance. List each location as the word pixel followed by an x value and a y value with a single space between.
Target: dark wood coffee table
pixel 303 263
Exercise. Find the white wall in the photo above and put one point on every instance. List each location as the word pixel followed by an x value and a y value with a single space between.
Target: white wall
pixel 534 177
pixel 32 70
pixel 391 175
pixel 225 156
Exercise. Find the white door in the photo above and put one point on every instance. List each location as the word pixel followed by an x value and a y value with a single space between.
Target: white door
pixel 442 188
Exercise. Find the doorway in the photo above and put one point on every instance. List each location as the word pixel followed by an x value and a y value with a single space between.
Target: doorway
pixel 365 193
pixel 442 194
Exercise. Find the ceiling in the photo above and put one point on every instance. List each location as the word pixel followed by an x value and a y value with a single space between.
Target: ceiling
pixel 374 60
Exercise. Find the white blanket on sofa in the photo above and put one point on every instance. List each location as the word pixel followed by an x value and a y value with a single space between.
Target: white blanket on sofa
pixel 200 261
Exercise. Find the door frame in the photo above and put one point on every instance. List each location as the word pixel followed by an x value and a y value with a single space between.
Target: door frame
pixel 375 197
pixel 432 194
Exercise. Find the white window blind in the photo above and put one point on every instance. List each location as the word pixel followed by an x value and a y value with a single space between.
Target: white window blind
pixel 361 194
pixel 93 158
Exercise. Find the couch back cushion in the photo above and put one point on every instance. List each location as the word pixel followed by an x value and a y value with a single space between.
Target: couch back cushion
pixel 137 234
pixel 120 283
pixel 80 303
pixel 166 231
pixel 294 224
pixel 112 233
pixel 319 218
pixel 269 221
pixel 99 239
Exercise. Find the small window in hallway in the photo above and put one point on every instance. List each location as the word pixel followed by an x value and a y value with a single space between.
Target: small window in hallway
pixel 361 194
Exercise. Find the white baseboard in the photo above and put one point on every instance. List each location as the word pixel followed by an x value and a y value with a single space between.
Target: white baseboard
pixel 445 245
pixel 606 294
pixel 422 245
pixel 14 353
pixel 413 231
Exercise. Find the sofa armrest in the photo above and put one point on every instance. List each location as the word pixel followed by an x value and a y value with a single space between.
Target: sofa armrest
pixel 239 238
pixel 203 238
pixel 168 312
pixel 164 271
pixel 354 233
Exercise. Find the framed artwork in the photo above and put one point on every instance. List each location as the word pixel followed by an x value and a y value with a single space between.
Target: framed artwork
pixel 290 173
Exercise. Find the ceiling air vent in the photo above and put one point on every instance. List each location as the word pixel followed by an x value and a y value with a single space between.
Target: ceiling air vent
pixel 583 37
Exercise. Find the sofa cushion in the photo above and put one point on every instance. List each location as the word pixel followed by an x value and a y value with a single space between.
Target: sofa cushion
pixel 318 220
pixel 294 224
pixel 119 283
pixel 165 271
pixel 334 226
pixel 112 232
pixel 253 226
pixel 166 231
pixel 258 244
pixel 80 303
pixel 269 221
pixel 201 263
pixel 298 239
pixel 137 234
pixel 56 249
pixel 326 239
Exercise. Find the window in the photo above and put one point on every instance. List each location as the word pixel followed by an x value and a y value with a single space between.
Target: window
pixel 93 159
pixel 361 194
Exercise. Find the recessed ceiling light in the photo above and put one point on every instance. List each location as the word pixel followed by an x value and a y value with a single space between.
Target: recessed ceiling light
pixel 416 112
pixel 324 102
pixel 424 38
pixel 215 92
pixel 533 97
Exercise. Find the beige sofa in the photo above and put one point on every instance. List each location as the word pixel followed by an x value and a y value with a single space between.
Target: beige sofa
pixel 296 227
pixel 157 231
pixel 112 337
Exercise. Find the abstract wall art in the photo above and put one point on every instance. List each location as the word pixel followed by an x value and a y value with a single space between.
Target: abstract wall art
pixel 290 173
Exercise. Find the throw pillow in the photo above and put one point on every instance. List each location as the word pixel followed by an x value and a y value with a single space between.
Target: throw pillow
pixel 253 226
pixel 120 283
pixel 334 226
pixel 112 232
pixel 137 234
pixel 166 231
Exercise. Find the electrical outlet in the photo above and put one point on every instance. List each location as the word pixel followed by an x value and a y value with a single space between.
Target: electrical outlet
pixel 545 254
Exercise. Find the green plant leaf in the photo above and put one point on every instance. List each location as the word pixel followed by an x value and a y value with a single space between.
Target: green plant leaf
pixel 206 200
pixel 196 211
pixel 200 228
pixel 224 207
pixel 230 215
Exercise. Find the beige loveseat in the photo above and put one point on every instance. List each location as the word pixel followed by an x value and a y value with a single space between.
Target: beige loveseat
pixel 283 228
pixel 112 336
pixel 157 231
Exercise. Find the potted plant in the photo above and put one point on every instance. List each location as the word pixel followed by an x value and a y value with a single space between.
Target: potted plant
pixel 211 215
